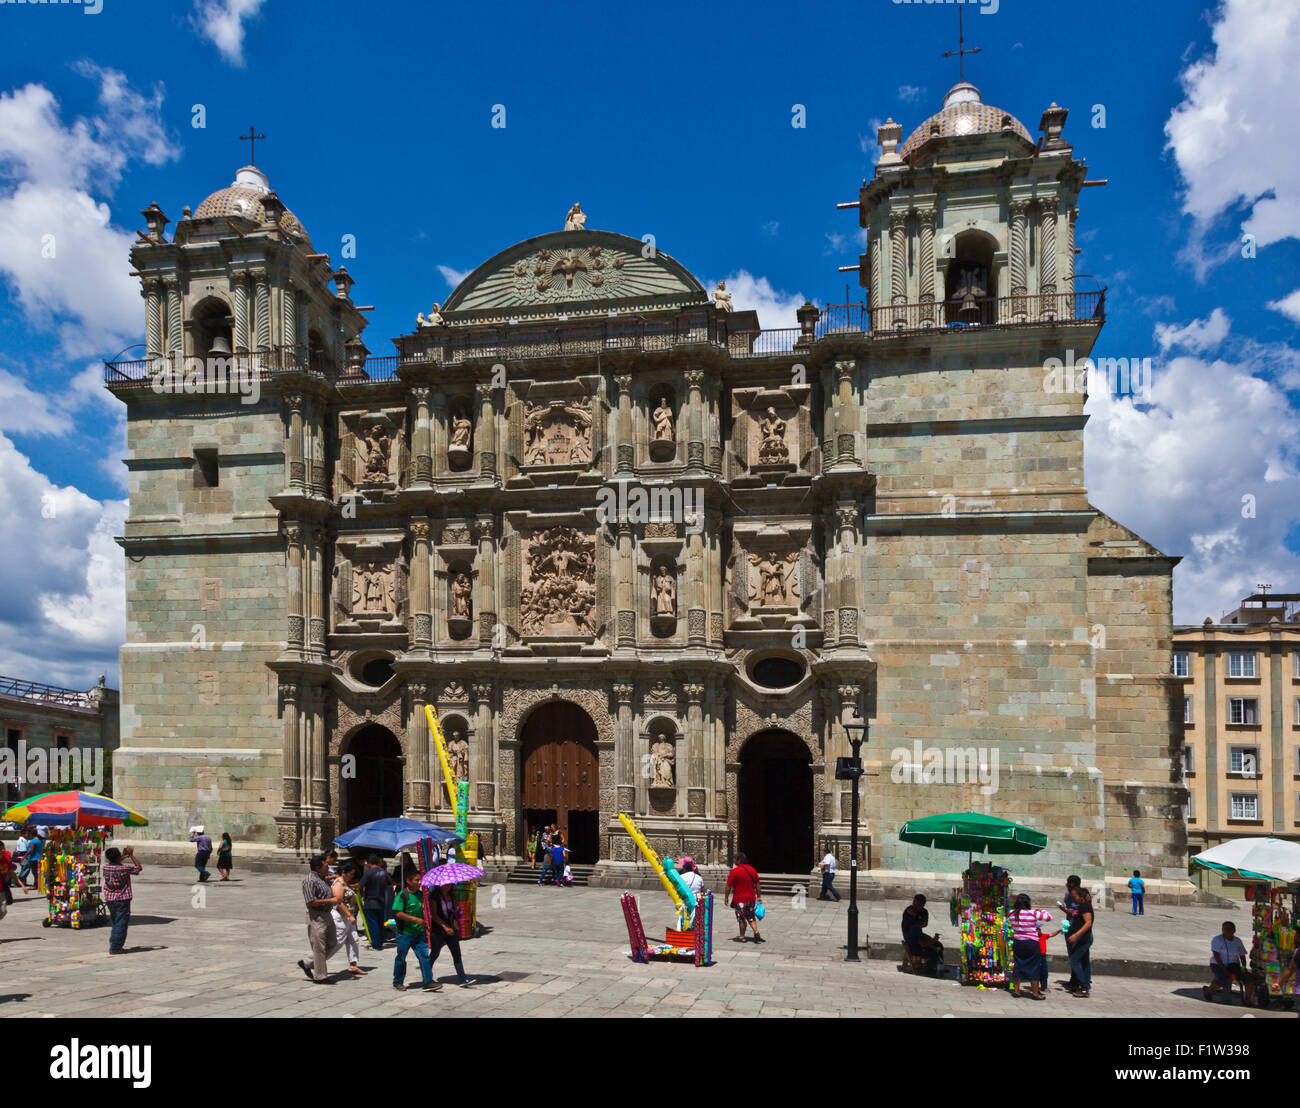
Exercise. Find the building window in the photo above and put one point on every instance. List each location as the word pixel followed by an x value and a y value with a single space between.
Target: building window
pixel 1245 806
pixel 1189 809
pixel 1189 759
pixel 62 742
pixel 1296 669
pixel 1243 710
pixel 1180 665
pixel 1187 709
pixel 1242 664
pixel 206 473
pixel 1297 711
pixel 1243 760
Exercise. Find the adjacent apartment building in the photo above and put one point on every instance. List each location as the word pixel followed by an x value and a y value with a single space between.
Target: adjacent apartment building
pixel 1241 721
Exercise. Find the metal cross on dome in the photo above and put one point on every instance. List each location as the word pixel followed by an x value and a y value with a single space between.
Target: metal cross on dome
pixel 251 138
pixel 961 52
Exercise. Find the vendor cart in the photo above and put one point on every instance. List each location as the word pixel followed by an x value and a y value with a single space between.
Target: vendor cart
pixel 1274 920
pixel 980 911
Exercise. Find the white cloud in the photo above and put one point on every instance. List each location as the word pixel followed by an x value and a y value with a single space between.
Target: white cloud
pixel 64 261
pixel 1289 306
pixel 1199 336
pixel 453 277
pixel 1152 468
pixel 221 22
pixel 62 611
pixel 1233 134
pixel 910 94
pixel 749 293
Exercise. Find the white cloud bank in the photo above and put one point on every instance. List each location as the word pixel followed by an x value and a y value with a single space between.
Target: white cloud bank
pixel 221 22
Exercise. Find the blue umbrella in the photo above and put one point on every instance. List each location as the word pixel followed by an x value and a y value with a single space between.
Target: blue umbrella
pixel 394 834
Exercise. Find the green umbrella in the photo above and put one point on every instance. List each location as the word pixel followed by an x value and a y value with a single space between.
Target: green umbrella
pixel 972 832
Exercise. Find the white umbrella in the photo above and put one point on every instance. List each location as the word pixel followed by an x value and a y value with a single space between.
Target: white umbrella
pixel 1269 859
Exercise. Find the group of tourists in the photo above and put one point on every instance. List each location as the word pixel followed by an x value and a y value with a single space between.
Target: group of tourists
pixel 331 892
pixel 203 852
pixel 547 847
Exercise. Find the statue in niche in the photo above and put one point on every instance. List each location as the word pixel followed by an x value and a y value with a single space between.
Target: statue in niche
pixel 722 298
pixel 772 449
pixel 665 593
pixel 460 430
pixel 664 755
pixel 434 319
pixel 372 589
pixel 663 421
pixel 462 591
pixel 775 584
pixel 378 445
pixel 458 754
pixel 575 219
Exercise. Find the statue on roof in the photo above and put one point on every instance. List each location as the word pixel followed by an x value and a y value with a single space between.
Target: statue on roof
pixel 434 319
pixel 576 219
pixel 722 298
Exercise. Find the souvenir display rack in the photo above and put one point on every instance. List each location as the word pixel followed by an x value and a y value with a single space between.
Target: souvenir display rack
pixel 71 867
pixel 1274 919
pixel 980 910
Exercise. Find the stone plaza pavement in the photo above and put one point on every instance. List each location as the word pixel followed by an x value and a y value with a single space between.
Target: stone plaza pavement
pixel 549 952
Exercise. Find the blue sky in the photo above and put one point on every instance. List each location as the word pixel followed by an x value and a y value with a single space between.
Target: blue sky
pixel 673 121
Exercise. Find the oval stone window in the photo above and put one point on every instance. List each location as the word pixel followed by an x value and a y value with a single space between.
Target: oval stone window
pixel 377 671
pixel 776 672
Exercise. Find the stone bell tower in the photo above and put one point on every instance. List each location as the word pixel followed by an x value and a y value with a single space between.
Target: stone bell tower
pixel 969 221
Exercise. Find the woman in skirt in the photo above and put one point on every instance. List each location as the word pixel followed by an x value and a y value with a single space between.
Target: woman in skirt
pixel 1025 946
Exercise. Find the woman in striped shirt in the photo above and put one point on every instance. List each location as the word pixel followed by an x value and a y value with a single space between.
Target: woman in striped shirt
pixel 1024 933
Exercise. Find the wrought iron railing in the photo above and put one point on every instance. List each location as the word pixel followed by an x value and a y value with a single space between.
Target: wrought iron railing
pixel 169 371
pixel 15 688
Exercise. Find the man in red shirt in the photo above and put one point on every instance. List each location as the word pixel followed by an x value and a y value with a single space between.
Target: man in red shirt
pixel 742 894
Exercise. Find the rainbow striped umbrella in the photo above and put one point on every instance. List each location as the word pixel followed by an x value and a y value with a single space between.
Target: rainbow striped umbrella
pixel 74 809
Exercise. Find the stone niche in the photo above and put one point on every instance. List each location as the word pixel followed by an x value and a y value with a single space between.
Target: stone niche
pixel 772 576
pixel 370 585
pixel 457 578
pixel 662 410
pixel 772 435
pixel 460 433
pixel 373 458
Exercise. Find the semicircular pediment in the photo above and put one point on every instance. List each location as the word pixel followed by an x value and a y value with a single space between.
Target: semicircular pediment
pixel 572 273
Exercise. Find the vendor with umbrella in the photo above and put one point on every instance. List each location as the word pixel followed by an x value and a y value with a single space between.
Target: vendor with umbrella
pixel 445 915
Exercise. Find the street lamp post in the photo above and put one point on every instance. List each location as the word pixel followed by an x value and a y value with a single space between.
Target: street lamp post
pixel 850 769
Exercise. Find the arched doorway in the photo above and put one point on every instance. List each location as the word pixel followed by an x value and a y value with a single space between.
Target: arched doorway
pixel 775 826
pixel 560 777
pixel 372 784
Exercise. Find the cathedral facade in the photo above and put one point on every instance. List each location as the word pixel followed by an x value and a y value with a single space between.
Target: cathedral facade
pixel 643 555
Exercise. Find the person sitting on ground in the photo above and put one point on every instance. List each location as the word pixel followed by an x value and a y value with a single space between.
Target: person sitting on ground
pixel 1228 963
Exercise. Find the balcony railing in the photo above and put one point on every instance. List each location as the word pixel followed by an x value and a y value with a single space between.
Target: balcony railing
pixel 456 345
pixel 14 688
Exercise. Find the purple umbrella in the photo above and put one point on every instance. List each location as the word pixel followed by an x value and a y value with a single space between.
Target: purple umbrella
pixel 452 873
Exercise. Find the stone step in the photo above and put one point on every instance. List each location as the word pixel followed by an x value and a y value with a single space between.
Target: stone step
pixel 526 875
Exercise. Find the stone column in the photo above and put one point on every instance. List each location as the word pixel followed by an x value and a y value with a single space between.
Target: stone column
pixel 626 756
pixel 316 576
pixel 289 322
pixel 240 288
pixel 153 318
pixel 291 767
pixel 625 453
pixel 695 420
pixel 262 308
pixel 487 583
pixel 624 588
pixel 1047 257
pixel 483 757
pixel 926 296
pixel 421 443
pixel 418 744
pixel 438 424
pixel 846 520
pixel 297 464
pixel 695 752
pixel 1071 304
pixel 1019 259
pixel 846 417
pixel 486 432
pixel 316 719
pixel 875 292
pixel 695 592
pixel 421 608
pixel 316 467
pixel 898 261
pixel 293 538
pixel 175 329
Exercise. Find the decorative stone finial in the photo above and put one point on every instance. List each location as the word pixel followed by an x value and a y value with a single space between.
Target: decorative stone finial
pixel 156 221
pixel 889 135
pixel 1052 124
pixel 343 282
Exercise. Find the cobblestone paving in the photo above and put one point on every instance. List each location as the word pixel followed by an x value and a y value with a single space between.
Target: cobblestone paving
pixel 229 950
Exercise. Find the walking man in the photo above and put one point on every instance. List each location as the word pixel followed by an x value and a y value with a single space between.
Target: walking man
pixel 202 851
pixel 742 894
pixel 828 878
pixel 408 911
pixel 1137 890
pixel 119 867
pixel 375 884
pixel 318 895
pixel 35 847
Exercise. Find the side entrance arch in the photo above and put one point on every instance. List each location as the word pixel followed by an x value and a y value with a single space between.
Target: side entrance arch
pixel 775 795
pixel 374 789
pixel 560 777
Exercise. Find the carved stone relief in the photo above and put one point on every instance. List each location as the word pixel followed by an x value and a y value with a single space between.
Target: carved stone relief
pixel 558 432
pixel 558 593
